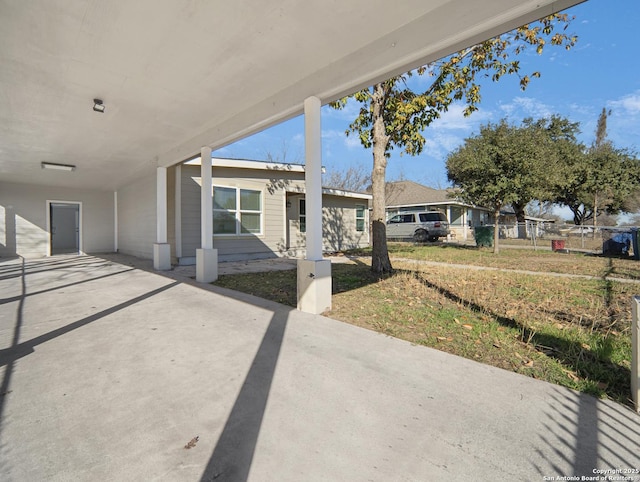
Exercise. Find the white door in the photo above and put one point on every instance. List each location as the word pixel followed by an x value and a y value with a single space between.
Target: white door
pixel 65 228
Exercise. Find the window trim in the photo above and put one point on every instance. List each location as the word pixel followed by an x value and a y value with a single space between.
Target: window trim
pixel 302 225
pixel 362 218
pixel 237 212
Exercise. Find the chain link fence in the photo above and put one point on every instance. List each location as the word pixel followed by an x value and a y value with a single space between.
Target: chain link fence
pixel 612 240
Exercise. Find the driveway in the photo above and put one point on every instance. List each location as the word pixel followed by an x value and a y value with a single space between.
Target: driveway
pixel 109 371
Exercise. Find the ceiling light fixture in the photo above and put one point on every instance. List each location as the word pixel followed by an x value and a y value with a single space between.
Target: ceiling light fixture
pixel 58 167
pixel 98 106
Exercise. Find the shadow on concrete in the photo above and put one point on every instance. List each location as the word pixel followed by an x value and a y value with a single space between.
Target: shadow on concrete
pixel 587 438
pixel 232 457
pixel 34 293
pixel 62 263
pixel 233 454
pixel 575 427
pixel 17 350
pixel 8 372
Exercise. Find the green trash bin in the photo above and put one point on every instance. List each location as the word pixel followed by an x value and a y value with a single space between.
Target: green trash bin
pixel 483 235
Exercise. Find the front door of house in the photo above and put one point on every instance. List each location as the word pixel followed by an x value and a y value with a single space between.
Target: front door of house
pixel 65 228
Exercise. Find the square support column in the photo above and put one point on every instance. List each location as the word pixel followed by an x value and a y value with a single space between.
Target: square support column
pixel 206 257
pixel 161 256
pixel 313 177
pixel 314 273
pixel 314 286
pixel 161 249
pixel 206 265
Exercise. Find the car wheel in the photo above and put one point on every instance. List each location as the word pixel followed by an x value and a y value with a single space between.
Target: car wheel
pixel 420 236
pixel 433 238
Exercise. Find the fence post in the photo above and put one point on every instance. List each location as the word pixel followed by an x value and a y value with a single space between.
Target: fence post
pixel 635 353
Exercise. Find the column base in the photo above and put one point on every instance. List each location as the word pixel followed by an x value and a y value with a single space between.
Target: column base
pixel 314 286
pixel 162 256
pixel 206 265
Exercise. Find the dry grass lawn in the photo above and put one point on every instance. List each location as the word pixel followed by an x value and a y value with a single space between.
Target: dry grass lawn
pixel 573 332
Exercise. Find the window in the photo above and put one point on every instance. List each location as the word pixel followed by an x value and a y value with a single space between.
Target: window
pixel 402 218
pixel 237 211
pixel 431 217
pixel 360 217
pixel 302 216
pixel 456 216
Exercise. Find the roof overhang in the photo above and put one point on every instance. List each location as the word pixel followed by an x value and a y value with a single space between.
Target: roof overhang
pixel 176 76
pixel 248 164
pixel 327 191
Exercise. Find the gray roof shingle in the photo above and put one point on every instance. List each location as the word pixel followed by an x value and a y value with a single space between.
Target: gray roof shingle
pixel 406 193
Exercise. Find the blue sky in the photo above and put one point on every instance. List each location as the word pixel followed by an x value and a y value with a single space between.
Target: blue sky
pixel 603 70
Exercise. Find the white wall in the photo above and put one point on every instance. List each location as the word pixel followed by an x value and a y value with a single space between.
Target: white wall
pixel 23 218
pixel 137 218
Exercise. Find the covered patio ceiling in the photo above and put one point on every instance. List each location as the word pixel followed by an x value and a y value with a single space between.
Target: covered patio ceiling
pixel 177 75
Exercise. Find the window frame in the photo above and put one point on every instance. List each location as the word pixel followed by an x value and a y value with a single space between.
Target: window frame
pixel 238 211
pixel 362 218
pixel 302 215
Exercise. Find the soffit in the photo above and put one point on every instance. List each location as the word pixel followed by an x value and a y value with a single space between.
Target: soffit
pixel 177 75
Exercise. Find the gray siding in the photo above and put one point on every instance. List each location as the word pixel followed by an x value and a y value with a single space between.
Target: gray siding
pixel 23 218
pixel 270 243
pixel 338 224
pixel 137 218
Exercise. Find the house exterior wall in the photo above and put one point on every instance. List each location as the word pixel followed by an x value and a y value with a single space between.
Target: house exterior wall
pixel 280 234
pixel 137 217
pixel 23 218
pixel 338 224
pixel 270 242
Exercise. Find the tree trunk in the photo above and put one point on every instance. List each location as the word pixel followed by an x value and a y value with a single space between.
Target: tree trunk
pixel 380 262
pixel 521 220
pixel 595 213
pixel 496 231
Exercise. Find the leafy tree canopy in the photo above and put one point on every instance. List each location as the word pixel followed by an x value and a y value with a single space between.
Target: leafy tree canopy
pixel 600 179
pixel 392 115
pixel 510 165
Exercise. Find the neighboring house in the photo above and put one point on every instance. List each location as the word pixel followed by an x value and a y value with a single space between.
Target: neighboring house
pixel 259 211
pixel 533 226
pixel 411 196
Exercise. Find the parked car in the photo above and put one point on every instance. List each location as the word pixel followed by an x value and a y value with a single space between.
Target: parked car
pixel 418 226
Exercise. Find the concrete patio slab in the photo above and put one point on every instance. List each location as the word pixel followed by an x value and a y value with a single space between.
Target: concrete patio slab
pixel 109 372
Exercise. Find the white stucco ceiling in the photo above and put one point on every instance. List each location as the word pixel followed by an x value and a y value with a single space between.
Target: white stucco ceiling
pixel 179 74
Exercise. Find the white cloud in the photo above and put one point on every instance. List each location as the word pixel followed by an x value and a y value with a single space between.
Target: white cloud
pixel 455 119
pixel 352 142
pixel 521 107
pixel 623 126
pixel 331 134
pixel 629 104
pixel 438 144
pixel 348 113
